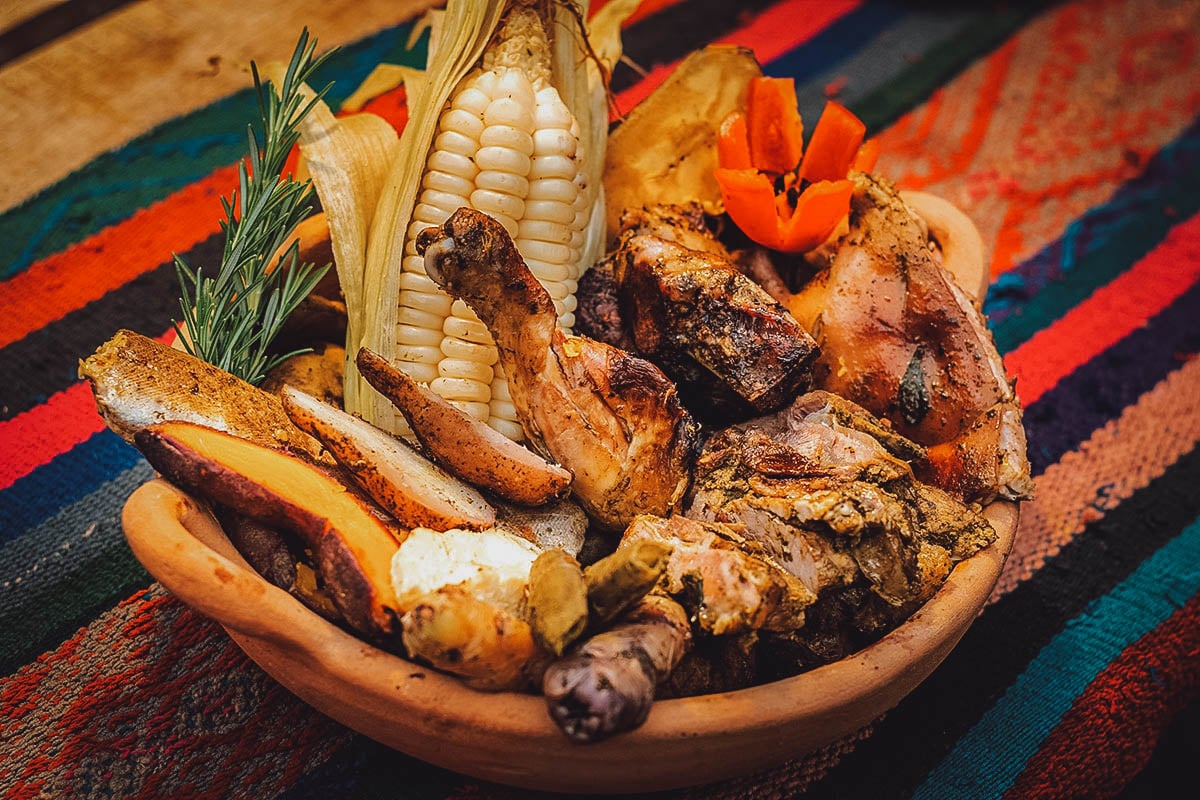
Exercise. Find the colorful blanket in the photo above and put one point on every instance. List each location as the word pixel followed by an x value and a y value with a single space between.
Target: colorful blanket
pixel 1071 135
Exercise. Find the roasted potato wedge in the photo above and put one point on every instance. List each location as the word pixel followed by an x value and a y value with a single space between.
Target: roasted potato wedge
pixel 415 490
pixel 462 444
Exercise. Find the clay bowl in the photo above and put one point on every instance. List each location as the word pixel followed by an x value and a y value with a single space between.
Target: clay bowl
pixel 509 738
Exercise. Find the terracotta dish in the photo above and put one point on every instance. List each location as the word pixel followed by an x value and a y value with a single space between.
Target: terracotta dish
pixel 509 738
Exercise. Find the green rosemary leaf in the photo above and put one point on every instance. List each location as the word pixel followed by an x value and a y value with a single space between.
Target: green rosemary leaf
pixel 231 320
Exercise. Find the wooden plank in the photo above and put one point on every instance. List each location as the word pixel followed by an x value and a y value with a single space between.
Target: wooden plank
pixel 101 85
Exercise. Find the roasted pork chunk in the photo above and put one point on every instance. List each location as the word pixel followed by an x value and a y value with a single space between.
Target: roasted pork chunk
pixel 897 336
pixel 831 504
pixel 680 301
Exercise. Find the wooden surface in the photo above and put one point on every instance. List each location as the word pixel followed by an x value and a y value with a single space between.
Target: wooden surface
pixel 108 81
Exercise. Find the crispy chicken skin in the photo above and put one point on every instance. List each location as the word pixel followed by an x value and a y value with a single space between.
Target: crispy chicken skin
pixel 900 338
pixel 613 419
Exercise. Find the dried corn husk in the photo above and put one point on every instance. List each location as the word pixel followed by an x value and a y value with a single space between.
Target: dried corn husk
pixel 347 159
pixel 461 34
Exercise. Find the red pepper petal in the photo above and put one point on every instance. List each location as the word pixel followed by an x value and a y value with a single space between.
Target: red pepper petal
pixel 835 141
pixel 867 155
pixel 819 209
pixel 750 202
pixel 733 148
pixel 775 131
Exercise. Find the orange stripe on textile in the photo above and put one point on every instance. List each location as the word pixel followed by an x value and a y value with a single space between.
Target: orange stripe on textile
pixel 1115 462
pixel 771 34
pixel 37 436
pixel 66 281
pixel 52 288
pixel 1109 315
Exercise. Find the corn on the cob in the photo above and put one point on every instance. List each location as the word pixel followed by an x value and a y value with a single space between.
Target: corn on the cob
pixel 506 145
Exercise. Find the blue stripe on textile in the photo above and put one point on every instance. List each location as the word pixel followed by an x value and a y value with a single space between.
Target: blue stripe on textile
pixel 1130 224
pixel 837 42
pixel 1063 669
pixel 79 534
pixel 863 50
pixel 67 477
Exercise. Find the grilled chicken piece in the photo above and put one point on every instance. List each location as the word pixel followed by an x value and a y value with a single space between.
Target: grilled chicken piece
pixel 612 419
pixel 728 584
pixel 899 337
pixel 831 504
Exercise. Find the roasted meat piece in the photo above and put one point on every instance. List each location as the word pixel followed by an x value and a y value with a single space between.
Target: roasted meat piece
pixel 832 504
pixel 613 419
pixel 897 336
pixel 734 351
pixel 728 584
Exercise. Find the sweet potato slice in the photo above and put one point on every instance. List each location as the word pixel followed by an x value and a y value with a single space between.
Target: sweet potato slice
pixel 352 543
pixel 415 490
pixel 462 444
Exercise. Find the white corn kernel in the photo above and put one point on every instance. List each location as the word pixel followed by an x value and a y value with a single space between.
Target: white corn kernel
pixel 457 348
pixel 543 230
pixel 466 369
pixel 545 271
pixel 424 337
pixel 503 159
pixel 417 370
pixel 547 251
pixel 463 121
pixel 452 163
pixel 480 411
pixel 498 204
pixel 467 330
pixel 436 304
pixel 554 141
pixel 552 167
pixel 511 429
pixel 560 190
pixel 459 389
pixel 506 182
pixel 507 136
pixel 406 315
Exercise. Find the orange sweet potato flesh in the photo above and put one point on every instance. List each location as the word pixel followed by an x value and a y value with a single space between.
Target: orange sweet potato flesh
pixel 352 542
pixel 462 444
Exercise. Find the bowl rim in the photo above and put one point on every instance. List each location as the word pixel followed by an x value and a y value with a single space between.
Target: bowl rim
pixel 449 724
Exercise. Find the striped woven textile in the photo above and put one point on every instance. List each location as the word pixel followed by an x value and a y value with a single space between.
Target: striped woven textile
pixel 1071 135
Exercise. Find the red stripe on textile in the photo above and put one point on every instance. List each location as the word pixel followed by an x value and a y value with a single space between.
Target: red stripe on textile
pixel 1111 730
pixel 1110 314
pixel 52 288
pixel 771 34
pixel 37 436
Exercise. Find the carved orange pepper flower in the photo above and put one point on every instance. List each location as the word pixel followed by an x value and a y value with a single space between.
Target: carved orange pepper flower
pixel 780 194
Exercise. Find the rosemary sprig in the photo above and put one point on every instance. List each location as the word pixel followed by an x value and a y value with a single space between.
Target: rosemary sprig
pixel 231 319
